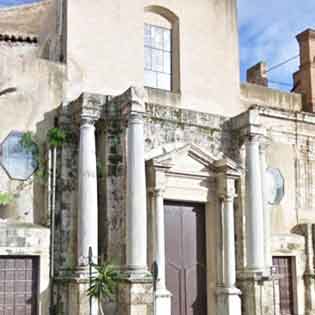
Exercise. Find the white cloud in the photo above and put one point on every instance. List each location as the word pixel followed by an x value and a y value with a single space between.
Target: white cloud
pixel 267 32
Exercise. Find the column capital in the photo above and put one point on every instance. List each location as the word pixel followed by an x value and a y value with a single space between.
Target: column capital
pixel 87 121
pixel 253 133
pixel 226 188
pixel 158 191
pixel 135 118
pixel 228 197
pixel 253 138
pixel 132 101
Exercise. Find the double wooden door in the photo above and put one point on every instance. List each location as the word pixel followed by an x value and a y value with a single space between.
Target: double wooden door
pixel 283 267
pixel 185 242
pixel 18 285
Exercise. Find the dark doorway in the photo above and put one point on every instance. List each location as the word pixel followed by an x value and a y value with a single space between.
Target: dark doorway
pixel 185 242
pixel 18 285
pixel 283 268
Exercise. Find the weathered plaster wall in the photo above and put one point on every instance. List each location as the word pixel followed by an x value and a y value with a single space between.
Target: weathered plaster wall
pixel 282 156
pixel 113 60
pixel 37 89
pixel 24 19
pixel 260 95
pixel 291 149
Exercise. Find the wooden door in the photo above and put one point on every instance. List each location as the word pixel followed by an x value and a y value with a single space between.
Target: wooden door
pixel 283 266
pixel 185 246
pixel 18 285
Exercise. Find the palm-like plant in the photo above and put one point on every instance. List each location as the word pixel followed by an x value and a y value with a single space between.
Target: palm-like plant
pixel 103 284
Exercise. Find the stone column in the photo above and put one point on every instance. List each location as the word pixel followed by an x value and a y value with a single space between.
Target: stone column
pixel 135 292
pixel 266 209
pixel 88 210
pixel 229 278
pixel 162 295
pixel 254 207
pixel 229 302
pixel 136 197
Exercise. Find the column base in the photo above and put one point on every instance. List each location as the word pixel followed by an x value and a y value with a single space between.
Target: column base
pixel 259 294
pixel 72 297
pixel 310 293
pixel 229 301
pixel 162 302
pixel 135 295
pixel 135 272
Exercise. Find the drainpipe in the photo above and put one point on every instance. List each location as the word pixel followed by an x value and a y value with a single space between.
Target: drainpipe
pixel 52 161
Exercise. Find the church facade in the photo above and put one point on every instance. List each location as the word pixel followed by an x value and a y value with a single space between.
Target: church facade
pixel 126 136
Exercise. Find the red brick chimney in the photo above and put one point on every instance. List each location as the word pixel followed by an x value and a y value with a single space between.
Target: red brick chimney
pixel 257 74
pixel 304 78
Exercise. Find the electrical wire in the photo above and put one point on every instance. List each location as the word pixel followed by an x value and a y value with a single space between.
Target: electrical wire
pixel 279 83
pixel 282 63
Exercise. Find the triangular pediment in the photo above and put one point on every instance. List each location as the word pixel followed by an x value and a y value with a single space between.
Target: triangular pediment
pixel 190 159
pixel 186 158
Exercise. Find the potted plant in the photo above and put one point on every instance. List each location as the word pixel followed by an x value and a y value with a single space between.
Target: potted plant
pixel 103 284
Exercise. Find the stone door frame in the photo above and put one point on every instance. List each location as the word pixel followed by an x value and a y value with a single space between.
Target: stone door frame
pixel 292 245
pixel 208 180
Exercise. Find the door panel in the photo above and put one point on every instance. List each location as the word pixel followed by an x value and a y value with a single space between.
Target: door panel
pixel 283 266
pixel 18 285
pixel 186 257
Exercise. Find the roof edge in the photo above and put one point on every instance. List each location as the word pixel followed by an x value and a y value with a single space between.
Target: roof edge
pixel 25 6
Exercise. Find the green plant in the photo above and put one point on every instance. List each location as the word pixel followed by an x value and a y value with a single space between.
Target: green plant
pixel 6 198
pixel 29 144
pixel 103 283
pixel 101 169
pixel 56 137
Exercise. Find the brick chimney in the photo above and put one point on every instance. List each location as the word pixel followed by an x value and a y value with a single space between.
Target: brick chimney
pixel 258 74
pixel 304 78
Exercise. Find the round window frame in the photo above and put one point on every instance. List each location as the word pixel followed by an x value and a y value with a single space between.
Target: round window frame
pixel 276 174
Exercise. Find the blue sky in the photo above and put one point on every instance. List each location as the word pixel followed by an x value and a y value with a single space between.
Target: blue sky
pixel 14 2
pixel 267 32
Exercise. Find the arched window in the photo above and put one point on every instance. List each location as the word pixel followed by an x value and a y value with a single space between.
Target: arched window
pixel 161 49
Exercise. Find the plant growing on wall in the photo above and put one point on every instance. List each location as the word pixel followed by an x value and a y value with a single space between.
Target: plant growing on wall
pixel 56 137
pixel 103 284
pixel 5 198
pixel 28 143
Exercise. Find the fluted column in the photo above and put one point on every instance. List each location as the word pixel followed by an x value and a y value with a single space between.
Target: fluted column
pixel 255 248
pixel 136 196
pixel 88 210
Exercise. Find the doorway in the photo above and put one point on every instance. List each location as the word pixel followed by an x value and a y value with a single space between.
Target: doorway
pixel 19 285
pixel 185 247
pixel 284 269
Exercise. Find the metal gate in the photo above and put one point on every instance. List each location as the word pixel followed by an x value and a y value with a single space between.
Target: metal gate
pixel 283 268
pixel 18 285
